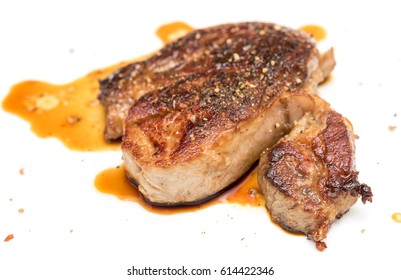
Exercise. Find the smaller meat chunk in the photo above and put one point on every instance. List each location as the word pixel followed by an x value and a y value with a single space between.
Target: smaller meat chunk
pixel 309 178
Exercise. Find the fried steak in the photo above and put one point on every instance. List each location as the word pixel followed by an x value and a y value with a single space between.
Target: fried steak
pixel 196 115
pixel 192 137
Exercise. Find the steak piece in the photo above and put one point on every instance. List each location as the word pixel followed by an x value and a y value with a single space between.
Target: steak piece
pixel 221 96
pixel 246 48
pixel 308 178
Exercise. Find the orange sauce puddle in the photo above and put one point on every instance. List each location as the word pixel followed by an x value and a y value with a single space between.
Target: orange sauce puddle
pixel 69 112
pixel 396 217
pixel 318 32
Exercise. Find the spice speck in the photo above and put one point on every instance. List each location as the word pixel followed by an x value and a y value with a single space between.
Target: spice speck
pixel 396 217
pixel 9 237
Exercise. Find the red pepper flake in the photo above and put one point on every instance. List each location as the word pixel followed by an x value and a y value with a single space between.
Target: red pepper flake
pixel 9 237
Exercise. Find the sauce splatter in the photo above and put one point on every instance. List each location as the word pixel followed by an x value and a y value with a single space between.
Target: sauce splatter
pixel 318 32
pixel 172 31
pixel 396 217
pixel 8 237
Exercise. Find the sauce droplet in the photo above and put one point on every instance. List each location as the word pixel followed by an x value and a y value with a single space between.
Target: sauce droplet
pixel 318 32
pixel 172 31
pixel 8 237
pixel 396 217
pixel 113 181
pixel 247 193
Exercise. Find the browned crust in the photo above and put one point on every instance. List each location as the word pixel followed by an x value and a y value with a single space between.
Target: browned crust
pixel 253 50
pixel 243 77
pixel 309 177
pixel 332 163
pixel 335 150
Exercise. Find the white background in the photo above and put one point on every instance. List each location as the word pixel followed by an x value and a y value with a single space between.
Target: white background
pixel 59 41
